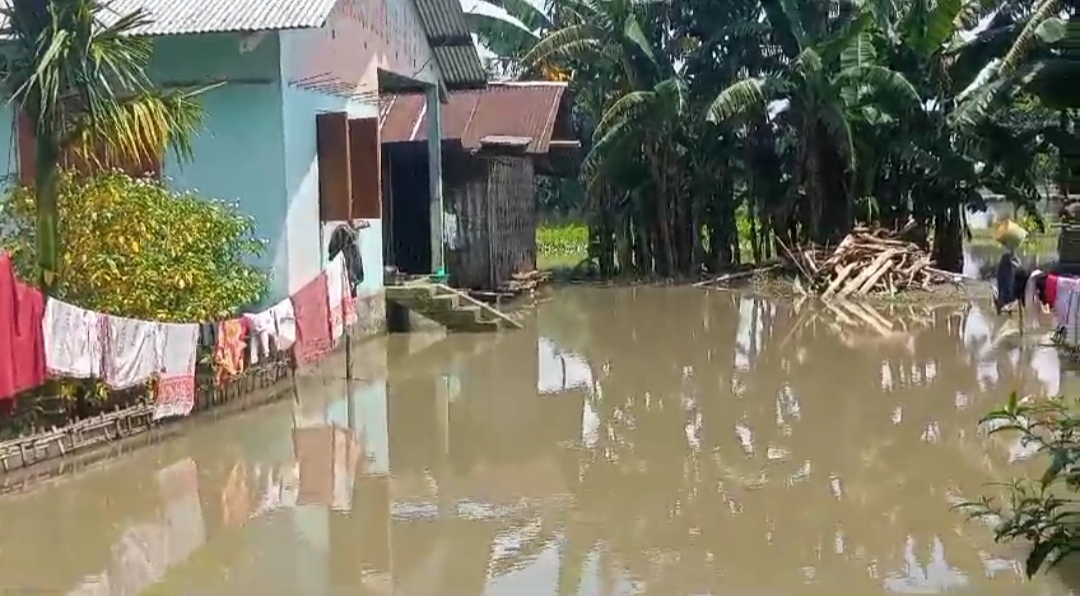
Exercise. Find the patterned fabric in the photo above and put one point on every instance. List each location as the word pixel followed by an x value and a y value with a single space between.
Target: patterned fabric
pixel 176 377
pixel 311 305
pixel 230 349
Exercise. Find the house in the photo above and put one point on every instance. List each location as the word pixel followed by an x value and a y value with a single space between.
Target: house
pixel 495 140
pixel 292 134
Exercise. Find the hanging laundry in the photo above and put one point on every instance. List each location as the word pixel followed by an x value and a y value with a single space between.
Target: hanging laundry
pixel 1030 302
pixel 178 345
pixel 285 322
pixel 22 344
pixel 312 307
pixel 73 340
pixel 263 330
pixel 131 351
pixel 230 348
pixel 1067 310
pixel 337 285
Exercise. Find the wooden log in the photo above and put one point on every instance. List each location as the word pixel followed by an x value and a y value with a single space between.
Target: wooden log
pixel 843 273
pixel 873 279
pixel 867 273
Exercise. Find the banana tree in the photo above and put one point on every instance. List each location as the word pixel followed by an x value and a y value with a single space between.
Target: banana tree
pixel 76 71
pixel 833 71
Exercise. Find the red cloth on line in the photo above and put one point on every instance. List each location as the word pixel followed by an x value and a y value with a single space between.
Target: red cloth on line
pixel 311 304
pixel 1051 289
pixel 22 343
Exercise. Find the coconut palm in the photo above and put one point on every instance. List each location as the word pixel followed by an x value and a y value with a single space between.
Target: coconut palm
pixel 76 71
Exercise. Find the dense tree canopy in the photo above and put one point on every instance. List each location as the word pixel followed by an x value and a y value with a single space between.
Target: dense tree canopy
pixel 712 128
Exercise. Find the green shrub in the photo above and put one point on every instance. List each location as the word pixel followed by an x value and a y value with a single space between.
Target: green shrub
pixel 134 248
pixel 1044 512
pixel 560 240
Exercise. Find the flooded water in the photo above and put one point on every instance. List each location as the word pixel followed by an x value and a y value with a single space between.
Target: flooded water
pixel 629 441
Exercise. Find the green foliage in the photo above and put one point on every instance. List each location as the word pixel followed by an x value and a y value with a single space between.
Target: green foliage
pixel 76 70
pixel 565 239
pixel 1044 512
pixel 814 118
pixel 132 247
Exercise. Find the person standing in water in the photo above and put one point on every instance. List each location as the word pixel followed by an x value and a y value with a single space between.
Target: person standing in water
pixel 1010 278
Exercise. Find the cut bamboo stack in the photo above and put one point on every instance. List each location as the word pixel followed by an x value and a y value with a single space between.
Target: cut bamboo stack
pixel 868 262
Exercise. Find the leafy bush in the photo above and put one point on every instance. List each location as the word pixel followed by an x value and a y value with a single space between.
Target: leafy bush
pixel 132 247
pixel 1045 512
pixel 565 239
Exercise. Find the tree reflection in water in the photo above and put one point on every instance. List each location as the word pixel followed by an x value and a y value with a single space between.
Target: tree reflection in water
pixel 733 439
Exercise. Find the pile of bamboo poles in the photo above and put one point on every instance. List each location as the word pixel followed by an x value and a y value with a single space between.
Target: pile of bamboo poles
pixel 868 262
pixel 525 281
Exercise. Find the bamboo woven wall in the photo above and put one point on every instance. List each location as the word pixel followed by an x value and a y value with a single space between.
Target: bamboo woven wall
pixel 493 200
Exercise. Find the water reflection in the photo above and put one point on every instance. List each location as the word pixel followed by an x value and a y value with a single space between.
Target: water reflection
pixel 638 441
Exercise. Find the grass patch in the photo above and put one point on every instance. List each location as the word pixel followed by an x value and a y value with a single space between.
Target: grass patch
pixel 1036 243
pixel 561 246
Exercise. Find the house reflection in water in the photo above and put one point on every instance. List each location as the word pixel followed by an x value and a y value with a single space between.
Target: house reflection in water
pixel 443 480
pixel 478 456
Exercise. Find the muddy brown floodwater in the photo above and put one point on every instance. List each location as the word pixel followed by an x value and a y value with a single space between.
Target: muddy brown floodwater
pixel 629 441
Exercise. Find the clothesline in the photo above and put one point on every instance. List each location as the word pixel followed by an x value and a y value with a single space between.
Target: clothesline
pixel 46 337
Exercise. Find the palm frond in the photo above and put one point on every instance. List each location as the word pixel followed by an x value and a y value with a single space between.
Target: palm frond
pixel 860 52
pixel 742 98
pixel 882 79
pixel 568 42
pixel 138 128
pixel 1027 38
pixel 625 109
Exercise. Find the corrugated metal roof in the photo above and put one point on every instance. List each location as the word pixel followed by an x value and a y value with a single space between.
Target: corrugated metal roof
pixel 460 66
pixel 444 21
pixel 502 109
pixel 178 17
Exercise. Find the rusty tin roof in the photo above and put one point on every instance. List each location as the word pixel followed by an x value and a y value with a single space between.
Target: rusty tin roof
pixel 525 109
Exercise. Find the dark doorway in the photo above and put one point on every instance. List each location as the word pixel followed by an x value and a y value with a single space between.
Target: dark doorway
pixel 406 209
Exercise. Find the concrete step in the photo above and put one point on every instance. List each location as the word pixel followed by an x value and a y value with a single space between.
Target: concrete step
pixel 448 307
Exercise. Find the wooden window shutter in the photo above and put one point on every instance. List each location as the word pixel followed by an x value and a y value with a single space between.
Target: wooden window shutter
pixel 332 146
pixel 366 170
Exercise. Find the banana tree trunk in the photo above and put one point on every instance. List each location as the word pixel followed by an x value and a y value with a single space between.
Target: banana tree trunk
pixel 47 187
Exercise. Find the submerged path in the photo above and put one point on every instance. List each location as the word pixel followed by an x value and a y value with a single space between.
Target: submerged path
pixel 650 440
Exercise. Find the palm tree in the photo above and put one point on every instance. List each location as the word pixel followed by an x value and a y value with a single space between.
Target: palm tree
pixel 76 71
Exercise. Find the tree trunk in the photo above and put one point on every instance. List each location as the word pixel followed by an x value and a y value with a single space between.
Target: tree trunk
pixel 948 250
pixel 46 183
pixel 830 205
pixel 624 245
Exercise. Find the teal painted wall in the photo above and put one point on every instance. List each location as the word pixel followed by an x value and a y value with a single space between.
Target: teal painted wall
pixel 299 109
pixel 238 156
pixel 257 146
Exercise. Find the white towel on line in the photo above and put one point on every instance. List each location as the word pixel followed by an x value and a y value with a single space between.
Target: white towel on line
pixel 263 328
pixel 73 340
pixel 131 351
pixel 336 284
pixel 285 322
